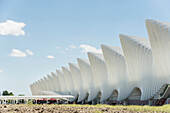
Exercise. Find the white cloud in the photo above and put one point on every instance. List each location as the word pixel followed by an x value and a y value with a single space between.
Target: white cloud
pixel 1 70
pixel 88 48
pixel 73 46
pixel 70 48
pixel 17 53
pixel 29 52
pixel 57 47
pixel 10 27
pixel 50 56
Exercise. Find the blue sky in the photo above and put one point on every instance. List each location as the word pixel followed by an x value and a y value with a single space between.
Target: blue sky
pixel 39 36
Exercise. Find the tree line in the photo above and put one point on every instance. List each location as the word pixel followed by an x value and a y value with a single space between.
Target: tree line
pixel 6 93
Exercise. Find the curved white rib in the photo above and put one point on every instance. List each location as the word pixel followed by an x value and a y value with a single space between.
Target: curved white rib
pixel 139 62
pixel 51 83
pixel 87 78
pixel 99 72
pixel 40 87
pixel 116 70
pixel 46 84
pixel 36 88
pixel 56 83
pixel 68 79
pixel 42 84
pixel 76 75
pixel 62 82
pixel 48 80
pixel 159 36
pixel 31 88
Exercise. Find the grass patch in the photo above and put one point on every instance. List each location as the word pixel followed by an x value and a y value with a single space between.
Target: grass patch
pixel 165 108
pixel 74 108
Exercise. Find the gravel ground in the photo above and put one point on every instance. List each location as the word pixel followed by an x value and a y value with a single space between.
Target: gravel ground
pixel 64 109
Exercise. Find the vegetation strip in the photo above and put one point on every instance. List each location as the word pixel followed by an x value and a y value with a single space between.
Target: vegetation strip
pixel 28 108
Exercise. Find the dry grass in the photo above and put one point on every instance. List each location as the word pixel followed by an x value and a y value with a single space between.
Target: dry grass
pixel 165 108
pixel 73 108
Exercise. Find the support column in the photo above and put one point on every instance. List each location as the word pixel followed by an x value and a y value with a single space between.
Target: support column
pixel 85 101
pixel 94 102
pixel 150 102
pixel 125 102
pixel 98 101
pixel 102 102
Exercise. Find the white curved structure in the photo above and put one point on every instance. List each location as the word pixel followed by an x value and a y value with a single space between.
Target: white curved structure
pixel 137 72
pixel 42 84
pixel 159 36
pixel 99 72
pixel 62 82
pixel 69 81
pixel 138 57
pixel 40 87
pixel 116 69
pixel 77 81
pixel 32 87
pixel 87 78
pixel 47 85
pixel 51 83
pixel 56 83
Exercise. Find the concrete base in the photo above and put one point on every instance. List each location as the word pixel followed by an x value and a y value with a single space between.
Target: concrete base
pixel 125 102
pixel 94 102
pixel 150 102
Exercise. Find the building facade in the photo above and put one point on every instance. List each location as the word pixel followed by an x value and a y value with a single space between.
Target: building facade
pixel 138 72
